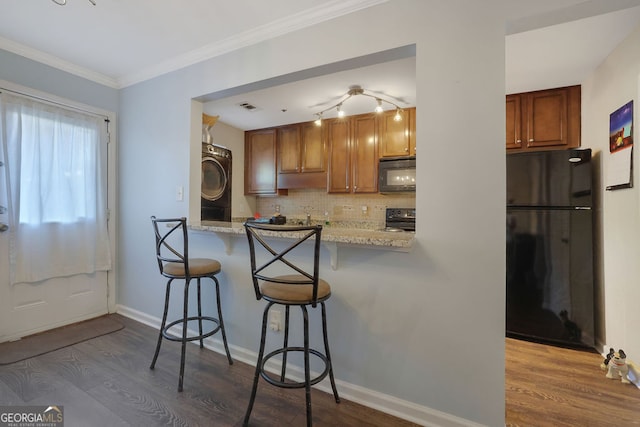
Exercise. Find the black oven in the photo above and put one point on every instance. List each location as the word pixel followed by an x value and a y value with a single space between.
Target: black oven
pixel 397 174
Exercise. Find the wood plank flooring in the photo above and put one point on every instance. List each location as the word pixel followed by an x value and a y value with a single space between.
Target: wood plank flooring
pixel 554 387
pixel 106 381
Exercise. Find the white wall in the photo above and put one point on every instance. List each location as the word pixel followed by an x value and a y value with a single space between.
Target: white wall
pixel 611 86
pixel 426 327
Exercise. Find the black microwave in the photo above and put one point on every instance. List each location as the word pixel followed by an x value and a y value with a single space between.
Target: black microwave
pixel 397 174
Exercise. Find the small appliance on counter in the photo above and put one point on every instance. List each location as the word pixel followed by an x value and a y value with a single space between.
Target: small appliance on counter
pixel 276 220
pixel 400 219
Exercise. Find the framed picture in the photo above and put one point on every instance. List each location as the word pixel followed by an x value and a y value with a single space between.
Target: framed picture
pixel 621 128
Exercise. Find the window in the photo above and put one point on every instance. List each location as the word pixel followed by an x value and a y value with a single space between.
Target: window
pixel 56 189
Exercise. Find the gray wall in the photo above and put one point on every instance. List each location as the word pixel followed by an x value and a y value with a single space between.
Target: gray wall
pixel 395 319
pixel 426 327
pixel 25 72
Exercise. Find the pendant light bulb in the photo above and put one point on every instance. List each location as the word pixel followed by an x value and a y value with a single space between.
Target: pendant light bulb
pixel 340 112
pixel 379 106
pixel 398 116
pixel 318 121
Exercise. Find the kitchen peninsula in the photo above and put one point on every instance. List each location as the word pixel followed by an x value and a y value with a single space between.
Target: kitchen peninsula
pixel 332 237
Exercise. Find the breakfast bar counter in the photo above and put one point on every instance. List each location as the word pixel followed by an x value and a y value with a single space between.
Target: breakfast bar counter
pixel 332 237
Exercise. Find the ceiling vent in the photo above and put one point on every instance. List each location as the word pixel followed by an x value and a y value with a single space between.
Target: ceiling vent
pixel 248 107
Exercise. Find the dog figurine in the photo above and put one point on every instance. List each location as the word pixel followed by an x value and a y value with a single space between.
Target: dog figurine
pixel 616 365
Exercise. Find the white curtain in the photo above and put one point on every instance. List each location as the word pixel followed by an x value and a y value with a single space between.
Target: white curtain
pixel 57 190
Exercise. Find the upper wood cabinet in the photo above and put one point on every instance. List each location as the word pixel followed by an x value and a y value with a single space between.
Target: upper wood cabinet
pixel 353 154
pixel 302 156
pixel 288 143
pixel 398 138
pixel 260 162
pixel 338 134
pixel 544 119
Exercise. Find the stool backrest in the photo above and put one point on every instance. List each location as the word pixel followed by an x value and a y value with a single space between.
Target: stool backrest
pixel 271 269
pixel 172 243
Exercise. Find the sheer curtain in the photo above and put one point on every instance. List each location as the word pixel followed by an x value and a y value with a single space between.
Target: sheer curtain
pixel 57 190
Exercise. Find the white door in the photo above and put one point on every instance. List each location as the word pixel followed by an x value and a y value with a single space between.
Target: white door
pixel 28 308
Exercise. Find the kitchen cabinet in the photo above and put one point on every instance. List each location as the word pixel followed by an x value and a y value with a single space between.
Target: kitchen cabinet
pixel 260 162
pixel 302 156
pixel 542 120
pixel 398 138
pixel 353 154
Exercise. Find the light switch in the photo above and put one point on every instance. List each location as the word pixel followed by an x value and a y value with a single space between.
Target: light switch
pixel 179 193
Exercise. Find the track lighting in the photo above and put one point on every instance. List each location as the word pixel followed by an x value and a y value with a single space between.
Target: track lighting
pixel 64 2
pixel 357 90
pixel 379 106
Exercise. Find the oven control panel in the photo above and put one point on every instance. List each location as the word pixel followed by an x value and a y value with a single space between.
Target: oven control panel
pixel 401 218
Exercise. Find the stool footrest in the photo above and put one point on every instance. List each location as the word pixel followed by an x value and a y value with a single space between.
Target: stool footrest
pixel 293 384
pixel 165 331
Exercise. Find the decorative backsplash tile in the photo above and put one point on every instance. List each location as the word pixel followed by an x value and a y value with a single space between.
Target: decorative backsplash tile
pixel 366 211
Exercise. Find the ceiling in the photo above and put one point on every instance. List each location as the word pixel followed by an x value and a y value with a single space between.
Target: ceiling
pixel 121 42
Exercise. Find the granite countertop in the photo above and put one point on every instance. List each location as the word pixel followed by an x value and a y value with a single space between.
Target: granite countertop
pixel 390 240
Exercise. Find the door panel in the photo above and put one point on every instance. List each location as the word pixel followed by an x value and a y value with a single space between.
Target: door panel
pixel 28 308
pixel 549 275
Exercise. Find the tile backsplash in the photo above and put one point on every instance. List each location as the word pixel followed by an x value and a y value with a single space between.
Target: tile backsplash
pixel 341 210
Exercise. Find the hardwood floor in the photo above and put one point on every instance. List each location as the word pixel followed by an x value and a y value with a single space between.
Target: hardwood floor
pixel 551 386
pixel 106 381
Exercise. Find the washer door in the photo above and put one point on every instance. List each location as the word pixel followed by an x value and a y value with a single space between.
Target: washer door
pixel 214 179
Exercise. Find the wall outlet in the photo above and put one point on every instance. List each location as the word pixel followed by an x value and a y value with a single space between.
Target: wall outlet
pixel 179 193
pixel 275 320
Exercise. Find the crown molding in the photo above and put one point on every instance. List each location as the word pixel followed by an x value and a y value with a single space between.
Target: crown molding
pixel 288 24
pixel 55 62
pixel 256 35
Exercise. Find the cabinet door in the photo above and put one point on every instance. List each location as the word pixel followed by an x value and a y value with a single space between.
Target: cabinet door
pixel 313 153
pixel 260 162
pixel 547 118
pixel 337 136
pixel 412 132
pixel 289 149
pixel 395 136
pixel 514 120
pixel 364 154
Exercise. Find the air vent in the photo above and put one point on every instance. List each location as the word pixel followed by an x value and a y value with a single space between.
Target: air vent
pixel 248 106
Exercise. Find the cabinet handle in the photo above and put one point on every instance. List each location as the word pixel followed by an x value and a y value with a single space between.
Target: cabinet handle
pixel 347 187
pixel 519 141
pixel 531 140
pixel 406 150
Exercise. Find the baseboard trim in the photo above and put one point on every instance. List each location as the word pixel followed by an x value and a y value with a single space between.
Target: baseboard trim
pixel 406 410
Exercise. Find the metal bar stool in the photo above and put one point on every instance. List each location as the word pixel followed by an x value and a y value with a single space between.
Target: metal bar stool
pixel 171 233
pixel 302 288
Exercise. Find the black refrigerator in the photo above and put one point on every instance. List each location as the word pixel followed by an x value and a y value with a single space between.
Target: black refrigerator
pixel 549 268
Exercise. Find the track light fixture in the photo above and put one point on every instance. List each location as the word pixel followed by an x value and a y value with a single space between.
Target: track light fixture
pixel 64 2
pixel 357 90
